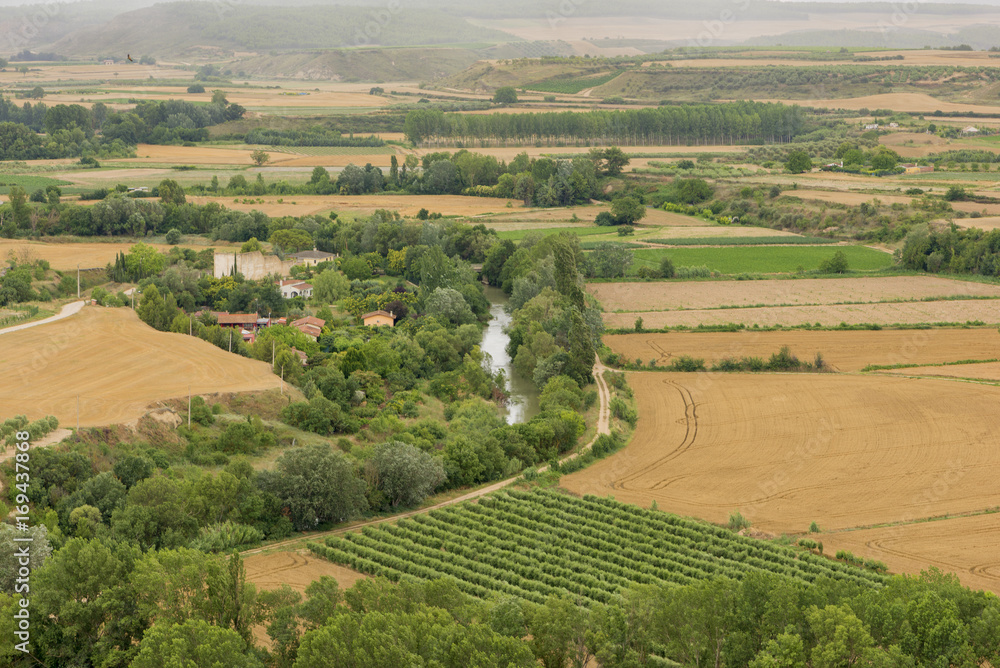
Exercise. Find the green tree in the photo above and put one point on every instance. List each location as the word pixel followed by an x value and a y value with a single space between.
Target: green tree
pixel 131 469
pixel 259 157
pixel 403 473
pixel 627 210
pixel 331 285
pixel 558 631
pixel 450 305
pixel 251 245
pixel 315 485
pixel 152 309
pixel 835 265
pixel 17 197
pixel 173 236
pixel 505 95
pixel 798 162
pixel 195 642
pixel 841 638
pixel 219 97
pixel 291 241
pixel 611 260
pixel 171 192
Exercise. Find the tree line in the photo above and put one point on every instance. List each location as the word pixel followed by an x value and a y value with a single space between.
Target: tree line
pixel 728 123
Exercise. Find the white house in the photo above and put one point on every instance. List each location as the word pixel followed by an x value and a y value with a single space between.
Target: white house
pixel 294 288
pixel 311 258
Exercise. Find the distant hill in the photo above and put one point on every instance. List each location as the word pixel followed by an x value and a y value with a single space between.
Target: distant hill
pixel 172 28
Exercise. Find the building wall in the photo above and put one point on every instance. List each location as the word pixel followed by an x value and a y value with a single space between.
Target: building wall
pixel 378 320
pixel 252 265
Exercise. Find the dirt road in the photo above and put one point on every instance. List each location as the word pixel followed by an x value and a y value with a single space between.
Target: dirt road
pixel 67 310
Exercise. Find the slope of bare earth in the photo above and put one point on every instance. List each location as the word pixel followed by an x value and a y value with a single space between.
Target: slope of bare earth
pixel 903 313
pixel 716 294
pixel 789 449
pixel 115 366
pixel 842 351
pixel 270 570
pixel 69 255
pixel 966 546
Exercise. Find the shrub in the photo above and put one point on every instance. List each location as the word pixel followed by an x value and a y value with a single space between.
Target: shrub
pixel 667 268
pixel 737 521
pixel 687 363
pixel 621 410
pixel 173 236
pixel 225 536
pixel 196 88
pixel 813 528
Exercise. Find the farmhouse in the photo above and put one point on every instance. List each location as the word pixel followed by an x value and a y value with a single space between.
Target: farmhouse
pixel 379 318
pixel 971 130
pixel 311 258
pixel 241 320
pixel 253 266
pixel 917 169
pixel 294 288
pixel 309 326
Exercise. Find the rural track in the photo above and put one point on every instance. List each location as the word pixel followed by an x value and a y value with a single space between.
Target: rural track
pixel 69 309
pixel 603 427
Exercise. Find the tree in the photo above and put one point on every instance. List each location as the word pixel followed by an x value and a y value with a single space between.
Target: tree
pixel 667 267
pixel 449 304
pixel 798 162
pixel 611 260
pixel 40 551
pixel 152 309
pixel 557 629
pixel 131 469
pixel 219 97
pixel 251 245
pixel 173 236
pixel 692 191
pixel 291 241
pixel 259 157
pixel 835 265
pixel 627 210
pixel 404 474
pixel 505 95
pixel 171 192
pixel 330 285
pixel 315 484
pixel 841 638
pixel 196 88
pixel 193 643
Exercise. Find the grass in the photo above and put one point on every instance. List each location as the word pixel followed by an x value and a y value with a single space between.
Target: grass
pixel 29 183
pixel 743 241
pixel 312 111
pixel 571 86
pixel 517 235
pixel 750 260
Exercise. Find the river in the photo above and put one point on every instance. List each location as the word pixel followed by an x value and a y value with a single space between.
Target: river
pixel 523 404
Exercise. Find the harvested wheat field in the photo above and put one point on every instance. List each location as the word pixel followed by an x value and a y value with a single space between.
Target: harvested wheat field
pixel 892 313
pixel 982 371
pixel 117 365
pixel 846 197
pixel 65 256
pixel 966 546
pixel 664 296
pixel 201 155
pixel 912 102
pixel 406 205
pixel 790 449
pixel 987 223
pixel 842 351
pixel 270 570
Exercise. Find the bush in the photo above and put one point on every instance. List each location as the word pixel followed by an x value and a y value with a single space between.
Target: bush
pixel 835 265
pixel 686 363
pixel 737 521
pixel 621 410
pixel 173 236
pixel 226 536
pixel 667 268
pixel 693 272
pixel 196 88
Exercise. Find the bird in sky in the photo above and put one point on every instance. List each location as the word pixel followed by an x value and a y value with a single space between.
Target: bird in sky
pixel 129 55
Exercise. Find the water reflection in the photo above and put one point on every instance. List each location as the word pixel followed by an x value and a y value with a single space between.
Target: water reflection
pixel 523 403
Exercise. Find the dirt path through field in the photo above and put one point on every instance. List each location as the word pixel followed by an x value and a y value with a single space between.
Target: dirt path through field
pixel 603 427
pixel 50 439
pixel 66 311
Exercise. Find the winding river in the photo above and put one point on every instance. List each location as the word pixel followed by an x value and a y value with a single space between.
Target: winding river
pixel 523 403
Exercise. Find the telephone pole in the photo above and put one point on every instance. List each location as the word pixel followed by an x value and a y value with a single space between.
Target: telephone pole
pixel 77 280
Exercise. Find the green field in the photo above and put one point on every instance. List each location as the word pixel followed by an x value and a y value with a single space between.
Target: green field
pixel 571 86
pixel 755 260
pixel 313 111
pixel 743 241
pixel 28 182
pixel 517 235
pixel 535 544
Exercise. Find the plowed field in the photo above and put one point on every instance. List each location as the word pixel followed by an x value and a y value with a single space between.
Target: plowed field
pixel 843 351
pixel 718 294
pixel 966 546
pixel 116 365
pixel 787 450
pixel 984 371
pixel 69 255
pixel 984 310
pixel 270 570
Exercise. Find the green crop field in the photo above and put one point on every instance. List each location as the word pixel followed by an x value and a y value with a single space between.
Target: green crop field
pixel 743 241
pixel 28 182
pixel 533 544
pixel 571 86
pixel 757 260
pixel 312 111
pixel 517 235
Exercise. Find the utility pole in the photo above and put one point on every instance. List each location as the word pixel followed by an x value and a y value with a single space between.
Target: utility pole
pixel 230 339
pixel 77 280
pixel 282 379
pixel 272 353
pixel 189 406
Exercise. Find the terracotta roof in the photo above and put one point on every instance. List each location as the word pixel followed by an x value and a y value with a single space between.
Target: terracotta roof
pixel 237 318
pixel 309 320
pixel 311 330
pixel 379 312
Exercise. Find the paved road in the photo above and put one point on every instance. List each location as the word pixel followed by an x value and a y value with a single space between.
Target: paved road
pixel 603 427
pixel 67 310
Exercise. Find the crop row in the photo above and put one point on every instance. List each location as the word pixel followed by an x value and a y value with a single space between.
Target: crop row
pixel 533 544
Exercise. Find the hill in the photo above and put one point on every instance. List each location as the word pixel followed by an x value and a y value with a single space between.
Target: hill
pixel 116 365
pixel 178 28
